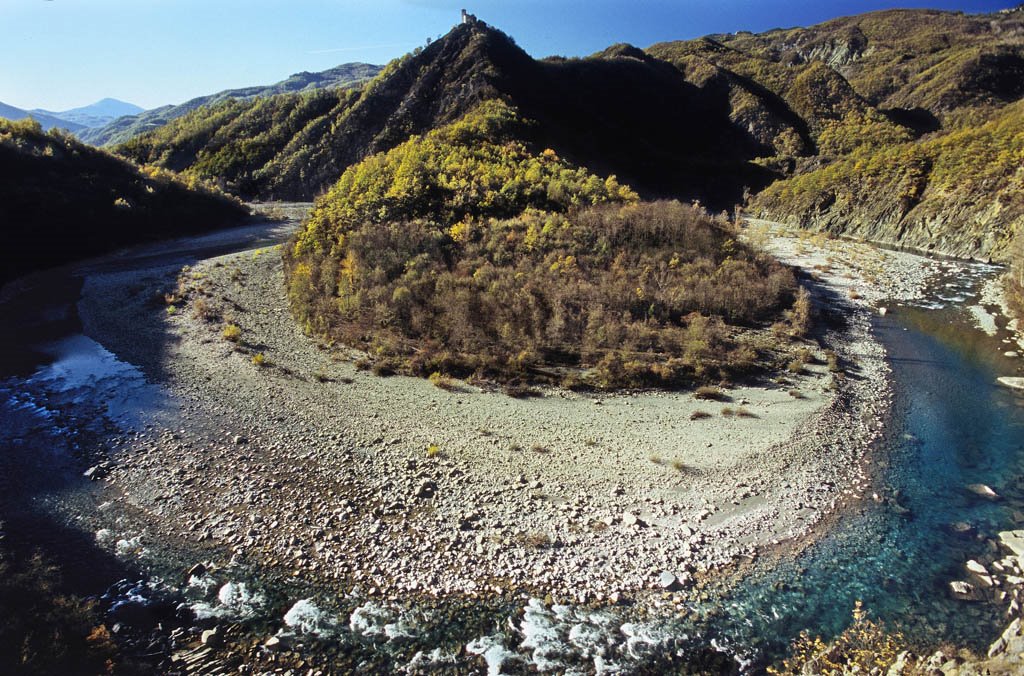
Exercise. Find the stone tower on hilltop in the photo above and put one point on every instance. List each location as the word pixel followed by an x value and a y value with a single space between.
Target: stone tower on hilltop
pixel 468 18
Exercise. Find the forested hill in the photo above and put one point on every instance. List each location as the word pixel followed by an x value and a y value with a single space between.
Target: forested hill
pixel 913 116
pixel 129 126
pixel 620 112
pixel 61 200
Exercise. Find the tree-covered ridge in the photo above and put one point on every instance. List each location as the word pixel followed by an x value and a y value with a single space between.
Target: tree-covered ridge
pixel 638 118
pixel 471 169
pixel 61 200
pixel 466 252
pixel 128 127
pixel 248 146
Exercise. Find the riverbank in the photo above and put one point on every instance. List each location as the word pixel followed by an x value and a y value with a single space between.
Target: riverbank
pixel 392 486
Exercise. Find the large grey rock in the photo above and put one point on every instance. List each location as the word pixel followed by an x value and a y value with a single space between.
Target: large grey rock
pixel 427 489
pixel 1013 540
pixel 668 581
pixel 1011 636
pixel 631 519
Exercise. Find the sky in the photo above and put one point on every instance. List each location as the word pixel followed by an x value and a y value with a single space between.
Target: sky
pixel 60 54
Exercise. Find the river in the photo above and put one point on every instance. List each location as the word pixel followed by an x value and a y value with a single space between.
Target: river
pixel 952 426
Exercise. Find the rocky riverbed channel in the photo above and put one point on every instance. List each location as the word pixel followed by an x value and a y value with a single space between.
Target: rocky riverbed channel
pixel 394 486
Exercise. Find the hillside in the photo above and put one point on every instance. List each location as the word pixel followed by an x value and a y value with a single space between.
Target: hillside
pixel 620 112
pixel 462 252
pixel 124 128
pixel 61 200
pixel 717 119
pixel 47 121
pixel 912 119
pixel 959 192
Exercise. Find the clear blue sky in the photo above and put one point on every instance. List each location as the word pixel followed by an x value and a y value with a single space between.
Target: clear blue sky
pixel 58 54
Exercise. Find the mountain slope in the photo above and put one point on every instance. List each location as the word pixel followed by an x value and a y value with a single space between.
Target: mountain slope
pixel 61 200
pixel 715 119
pixel 125 128
pixel 930 61
pixel 620 112
pixel 912 120
pixel 47 121
pixel 958 193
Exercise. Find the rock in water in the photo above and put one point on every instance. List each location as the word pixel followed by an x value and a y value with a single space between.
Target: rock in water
pixel 976 568
pixel 983 491
pixel 963 591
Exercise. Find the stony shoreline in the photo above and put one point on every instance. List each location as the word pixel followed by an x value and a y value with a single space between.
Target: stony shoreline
pixel 322 471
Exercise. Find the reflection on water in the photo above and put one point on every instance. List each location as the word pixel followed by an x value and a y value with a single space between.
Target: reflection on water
pixel 83 372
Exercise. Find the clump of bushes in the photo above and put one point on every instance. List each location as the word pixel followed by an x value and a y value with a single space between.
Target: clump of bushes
pixel 796 366
pixel 864 647
pixel 710 393
pixel 463 252
pixel 44 630
pixel 201 309
pixel 437 379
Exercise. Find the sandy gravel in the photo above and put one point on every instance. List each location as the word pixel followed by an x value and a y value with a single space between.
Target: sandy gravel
pixel 323 470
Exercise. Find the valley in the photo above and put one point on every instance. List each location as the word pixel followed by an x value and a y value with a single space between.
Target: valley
pixel 699 358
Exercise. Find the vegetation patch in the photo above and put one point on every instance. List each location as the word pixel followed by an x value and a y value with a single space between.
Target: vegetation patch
pixel 466 253
pixel 866 646
pixel 45 630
